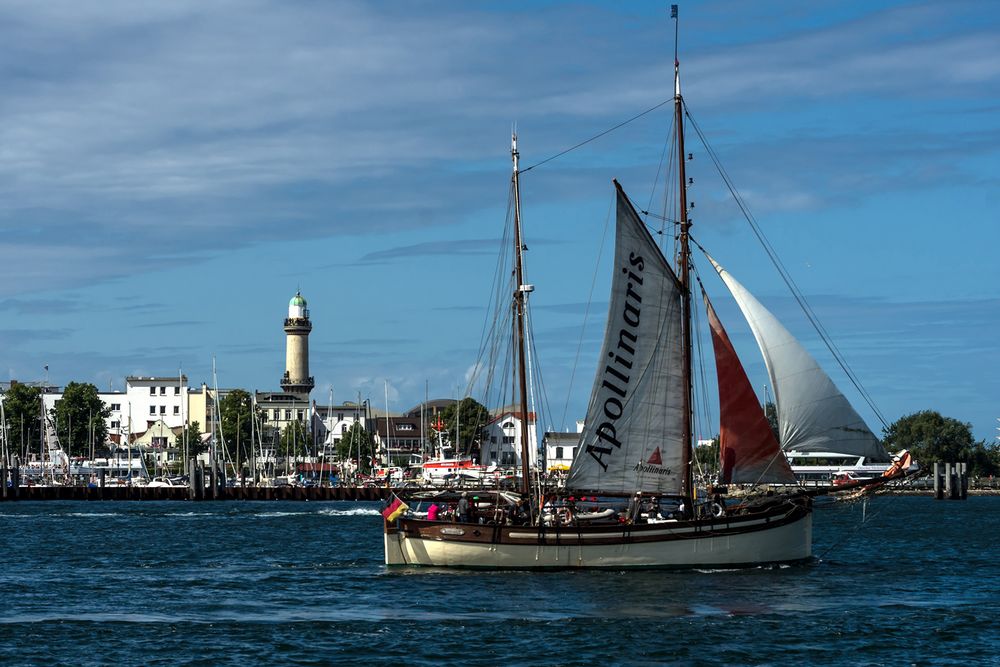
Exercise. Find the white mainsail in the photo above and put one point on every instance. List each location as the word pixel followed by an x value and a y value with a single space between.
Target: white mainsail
pixel 633 435
pixel 813 415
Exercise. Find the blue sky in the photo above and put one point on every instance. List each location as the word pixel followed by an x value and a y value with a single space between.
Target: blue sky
pixel 170 174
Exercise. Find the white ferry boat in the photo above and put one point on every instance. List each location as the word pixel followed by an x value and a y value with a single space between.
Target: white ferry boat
pixel 821 468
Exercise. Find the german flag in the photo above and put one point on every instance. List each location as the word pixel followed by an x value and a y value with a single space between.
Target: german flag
pixel 395 510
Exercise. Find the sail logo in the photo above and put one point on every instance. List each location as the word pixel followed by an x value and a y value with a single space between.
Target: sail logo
pixel 653 465
pixel 617 372
pixel 652 468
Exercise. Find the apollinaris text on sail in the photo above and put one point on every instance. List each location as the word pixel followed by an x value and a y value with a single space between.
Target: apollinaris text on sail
pixel 617 372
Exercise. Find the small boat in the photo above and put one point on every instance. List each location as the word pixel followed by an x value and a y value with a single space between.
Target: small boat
pixel 166 483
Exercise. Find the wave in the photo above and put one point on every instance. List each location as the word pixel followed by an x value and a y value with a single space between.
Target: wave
pixel 355 511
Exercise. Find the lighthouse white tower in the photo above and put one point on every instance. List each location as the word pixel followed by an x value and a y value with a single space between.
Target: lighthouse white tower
pixel 296 379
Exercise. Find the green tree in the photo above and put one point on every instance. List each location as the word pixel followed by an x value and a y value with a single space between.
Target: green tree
pixel 80 418
pixel 22 406
pixel 357 443
pixel 708 458
pixel 194 444
pixel 932 437
pixel 295 439
pixel 771 412
pixel 465 421
pixel 236 410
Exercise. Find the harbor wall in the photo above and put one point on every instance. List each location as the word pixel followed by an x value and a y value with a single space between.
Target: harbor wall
pixel 184 493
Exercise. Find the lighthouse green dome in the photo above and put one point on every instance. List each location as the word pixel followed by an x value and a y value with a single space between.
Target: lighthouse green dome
pixel 297 300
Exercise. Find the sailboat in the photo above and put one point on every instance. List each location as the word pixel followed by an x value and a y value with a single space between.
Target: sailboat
pixel 636 446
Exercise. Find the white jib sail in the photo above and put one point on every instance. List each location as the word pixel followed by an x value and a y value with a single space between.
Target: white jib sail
pixel 813 415
pixel 633 434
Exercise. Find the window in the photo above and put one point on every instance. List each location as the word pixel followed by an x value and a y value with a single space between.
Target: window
pixel 559 452
pixel 116 407
pixel 177 391
pixel 508 440
pixel 152 409
pixel 493 439
pixel 340 416
pixel 163 409
pixel 302 414
pixel 116 424
pixel 163 391
pixel 508 425
pixel 152 391
pixel 177 409
pixel 288 415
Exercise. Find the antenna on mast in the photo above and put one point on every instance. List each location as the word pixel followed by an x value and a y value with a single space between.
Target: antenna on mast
pixel 677 62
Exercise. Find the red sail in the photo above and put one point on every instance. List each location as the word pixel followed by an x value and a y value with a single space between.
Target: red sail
pixel 748 449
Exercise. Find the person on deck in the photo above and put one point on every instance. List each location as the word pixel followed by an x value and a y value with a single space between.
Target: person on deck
pixel 463 507
pixel 432 512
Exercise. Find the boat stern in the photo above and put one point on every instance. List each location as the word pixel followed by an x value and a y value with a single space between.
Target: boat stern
pixel 393 541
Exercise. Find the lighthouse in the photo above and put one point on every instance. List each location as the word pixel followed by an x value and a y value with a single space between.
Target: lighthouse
pixel 296 379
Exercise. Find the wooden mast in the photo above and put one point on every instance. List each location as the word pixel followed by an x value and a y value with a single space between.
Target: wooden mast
pixel 684 261
pixel 520 296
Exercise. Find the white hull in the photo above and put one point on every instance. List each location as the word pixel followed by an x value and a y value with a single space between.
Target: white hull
pixel 706 543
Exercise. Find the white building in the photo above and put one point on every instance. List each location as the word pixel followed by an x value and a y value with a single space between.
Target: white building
pixel 152 399
pixel 116 401
pixel 502 442
pixel 332 422
pixel 560 448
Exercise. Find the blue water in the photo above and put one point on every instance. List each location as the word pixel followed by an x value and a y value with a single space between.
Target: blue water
pixel 303 583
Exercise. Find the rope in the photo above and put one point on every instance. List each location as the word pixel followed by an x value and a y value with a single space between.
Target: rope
pixel 586 316
pixel 598 136
pixel 870 517
pixel 784 273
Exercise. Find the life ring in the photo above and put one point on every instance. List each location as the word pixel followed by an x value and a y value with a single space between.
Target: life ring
pixel 717 510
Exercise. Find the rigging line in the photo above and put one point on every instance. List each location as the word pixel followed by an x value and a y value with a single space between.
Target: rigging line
pixel 498 284
pixel 662 218
pixel 857 529
pixel 654 232
pixel 543 392
pixel 668 147
pixel 586 314
pixel 789 281
pixel 539 395
pixel 598 136
pixel 785 275
pixel 705 416
pixel 706 406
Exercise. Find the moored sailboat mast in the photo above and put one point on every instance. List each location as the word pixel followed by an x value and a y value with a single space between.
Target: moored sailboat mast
pixel 520 295
pixel 684 276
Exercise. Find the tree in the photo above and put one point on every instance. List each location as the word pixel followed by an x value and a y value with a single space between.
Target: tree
pixel 193 434
pixel 23 406
pixel 465 421
pixel 295 439
pixel 771 412
pixel 236 410
pixel 708 457
pixel 357 444
pixel 80 417
pixel 932 437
